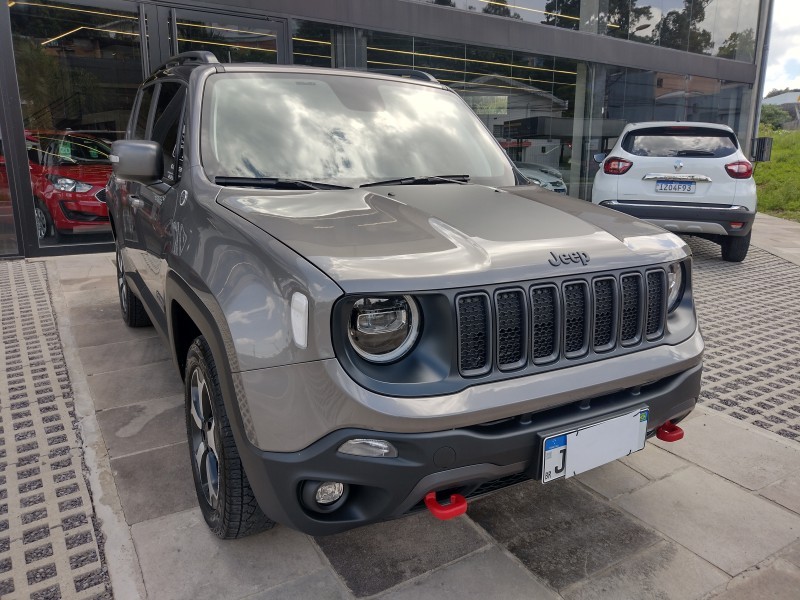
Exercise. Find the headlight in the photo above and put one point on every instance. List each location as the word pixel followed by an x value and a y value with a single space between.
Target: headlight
pixel 383 329
pixel 674 285
pixel 65 184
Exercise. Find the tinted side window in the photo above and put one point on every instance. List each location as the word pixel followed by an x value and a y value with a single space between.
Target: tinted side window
pixel 167 124
pixel 680 141
pixel 140 124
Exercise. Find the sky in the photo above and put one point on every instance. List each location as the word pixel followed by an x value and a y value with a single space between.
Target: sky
pixel 783 66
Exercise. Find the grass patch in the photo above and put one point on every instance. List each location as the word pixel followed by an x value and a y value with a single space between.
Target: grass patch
pixel 778 181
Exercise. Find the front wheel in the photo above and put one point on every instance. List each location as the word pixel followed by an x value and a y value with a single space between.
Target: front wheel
pixel 223 490
pixel 43 223
pixel 734 249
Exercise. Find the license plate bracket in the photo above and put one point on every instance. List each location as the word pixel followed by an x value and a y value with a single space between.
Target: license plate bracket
pixel 569 453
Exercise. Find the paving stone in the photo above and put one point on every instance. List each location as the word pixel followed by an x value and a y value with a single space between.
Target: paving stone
pixel 792 553
pixel 663 571
pixel 653 462
pixel 721 522
pixel 736 452
pixel 105 294
pixel 44 501
pixel 489 574
pixel 154 483
pixel 109 332
pixel 613 479
pixel 321 585
pixel 181 558
pixel 134 385
pixel 778 581
pixel 92 283
pixel 750 367
pixel 123 355
pixel 559 531
pixel 374 558
pixel 144 426
pixel 94 315
pixel 785 492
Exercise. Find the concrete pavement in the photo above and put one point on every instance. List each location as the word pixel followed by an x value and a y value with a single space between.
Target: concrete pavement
pixel 715 515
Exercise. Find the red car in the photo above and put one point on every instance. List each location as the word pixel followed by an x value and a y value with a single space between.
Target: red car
pixel 69 182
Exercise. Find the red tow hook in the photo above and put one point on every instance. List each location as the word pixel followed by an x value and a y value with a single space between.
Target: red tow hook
pixel 669 432
pixel 457 506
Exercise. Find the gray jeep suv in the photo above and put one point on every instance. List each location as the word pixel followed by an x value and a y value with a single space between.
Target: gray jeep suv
pixel 371 316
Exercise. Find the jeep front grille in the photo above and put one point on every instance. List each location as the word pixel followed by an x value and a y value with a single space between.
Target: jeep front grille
pixel 545 323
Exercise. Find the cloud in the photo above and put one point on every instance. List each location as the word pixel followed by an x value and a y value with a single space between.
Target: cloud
pixel 783 68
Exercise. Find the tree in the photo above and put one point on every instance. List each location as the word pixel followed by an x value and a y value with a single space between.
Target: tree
pixel 777 92
pixel 774 116
pixel 678 28
pixel 740 45
pixel 500 8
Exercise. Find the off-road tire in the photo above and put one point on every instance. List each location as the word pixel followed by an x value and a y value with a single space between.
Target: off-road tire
pixel 235 513
pixel 734 249
pixel 133 312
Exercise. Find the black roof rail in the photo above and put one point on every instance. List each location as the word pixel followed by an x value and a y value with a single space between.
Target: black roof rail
pixel 193 56
pixel 407 73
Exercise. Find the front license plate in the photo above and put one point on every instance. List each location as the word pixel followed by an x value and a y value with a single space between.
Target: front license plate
pixel 574 452
pixel 676 187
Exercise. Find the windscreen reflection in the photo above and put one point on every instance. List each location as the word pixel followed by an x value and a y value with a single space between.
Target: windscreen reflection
pixel 342 130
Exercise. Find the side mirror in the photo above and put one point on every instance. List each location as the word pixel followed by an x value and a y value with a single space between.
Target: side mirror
pixel 137 160
pixel 599 157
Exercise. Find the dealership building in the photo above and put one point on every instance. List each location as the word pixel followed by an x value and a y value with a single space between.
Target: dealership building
pixel 554 80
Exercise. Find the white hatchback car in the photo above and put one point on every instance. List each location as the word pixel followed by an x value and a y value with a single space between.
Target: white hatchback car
pixel 686 177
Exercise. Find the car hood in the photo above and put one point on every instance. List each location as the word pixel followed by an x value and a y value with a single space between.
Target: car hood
pixel 92 174
pixel 402 238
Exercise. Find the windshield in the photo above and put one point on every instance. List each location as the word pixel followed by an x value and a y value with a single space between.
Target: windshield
pixel 342 130
pixel 77 150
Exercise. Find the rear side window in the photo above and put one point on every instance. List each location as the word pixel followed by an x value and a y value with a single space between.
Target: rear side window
pixel 680 141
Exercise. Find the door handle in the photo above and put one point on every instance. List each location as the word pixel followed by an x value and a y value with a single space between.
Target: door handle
pixel 136 202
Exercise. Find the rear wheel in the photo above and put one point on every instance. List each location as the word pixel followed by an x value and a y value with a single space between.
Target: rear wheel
pixel 133 312
pixel 223 491
pixel 734 249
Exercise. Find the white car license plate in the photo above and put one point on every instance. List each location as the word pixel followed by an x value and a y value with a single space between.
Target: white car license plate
pixel 677 187
pixel 574 452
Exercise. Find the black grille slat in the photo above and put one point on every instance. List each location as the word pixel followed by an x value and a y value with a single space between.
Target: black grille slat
pixel 510 328
pixel 101 195
pixel 605 311
pixel 571 318
pixel 575 318
pixel 544 303
pixel 655 303
pixel 473 324
pixel 631 308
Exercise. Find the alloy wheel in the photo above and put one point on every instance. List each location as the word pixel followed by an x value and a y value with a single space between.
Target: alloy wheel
pixel 204 437
pixel 122 285
pixel 41 223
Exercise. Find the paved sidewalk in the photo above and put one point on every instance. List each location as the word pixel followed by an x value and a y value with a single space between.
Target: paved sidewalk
pixel 715 515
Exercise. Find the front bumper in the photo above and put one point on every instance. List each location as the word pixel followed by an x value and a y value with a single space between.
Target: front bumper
pixel 469 460
pixel 689 218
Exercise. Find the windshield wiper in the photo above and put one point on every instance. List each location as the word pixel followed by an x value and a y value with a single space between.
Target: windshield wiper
pixel 425 180
pixel 278 183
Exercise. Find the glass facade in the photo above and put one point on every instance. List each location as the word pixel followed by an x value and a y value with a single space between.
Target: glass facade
pixel 724 28
pixel 78 66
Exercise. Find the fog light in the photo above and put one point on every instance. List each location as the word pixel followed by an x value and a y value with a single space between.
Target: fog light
pixel 366 447
pixel 329 492
pixel 737 225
